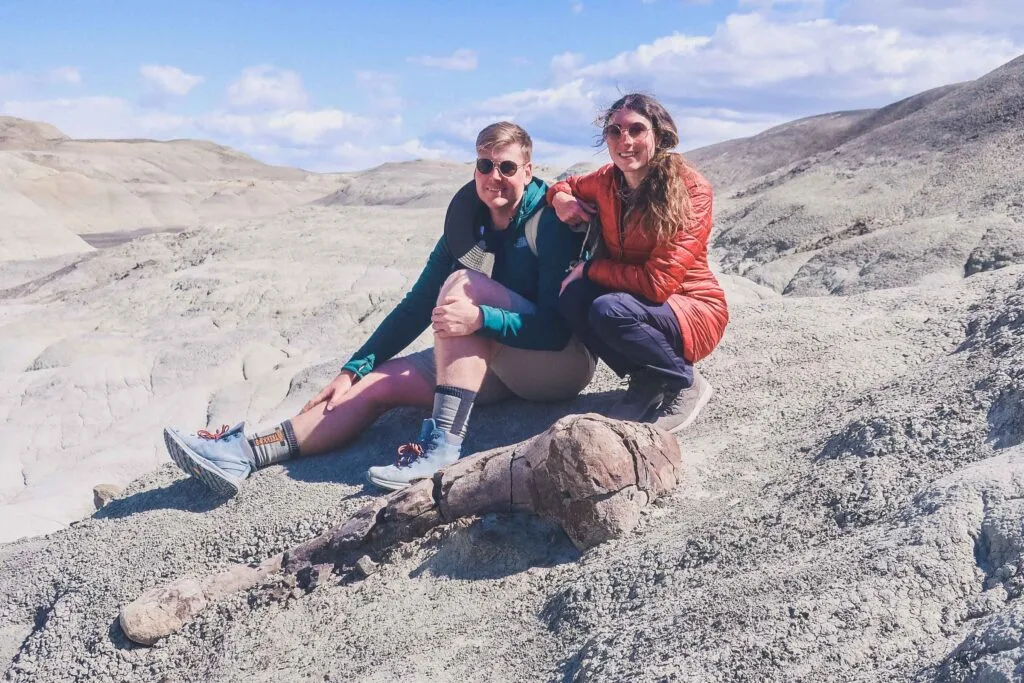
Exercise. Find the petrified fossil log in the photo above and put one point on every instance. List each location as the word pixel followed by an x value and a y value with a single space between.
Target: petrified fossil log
pixel 590 475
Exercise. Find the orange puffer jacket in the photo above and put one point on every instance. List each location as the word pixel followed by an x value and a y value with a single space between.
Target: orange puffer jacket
pixel 676 272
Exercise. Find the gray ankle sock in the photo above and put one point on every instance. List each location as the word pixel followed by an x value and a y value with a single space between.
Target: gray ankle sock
pixel 452 406
pixel 275 445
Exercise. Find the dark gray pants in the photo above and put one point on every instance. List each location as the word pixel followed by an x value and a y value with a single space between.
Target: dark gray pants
pixel 627 332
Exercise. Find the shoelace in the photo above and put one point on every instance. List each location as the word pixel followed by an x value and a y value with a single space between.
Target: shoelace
pixel 408 454
pixel 203 434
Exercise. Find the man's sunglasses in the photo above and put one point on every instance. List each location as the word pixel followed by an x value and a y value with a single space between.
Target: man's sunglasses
pixel 635 130
pixel 507 168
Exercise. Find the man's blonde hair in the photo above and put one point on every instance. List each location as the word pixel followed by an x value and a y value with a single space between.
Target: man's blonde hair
pixel 504 133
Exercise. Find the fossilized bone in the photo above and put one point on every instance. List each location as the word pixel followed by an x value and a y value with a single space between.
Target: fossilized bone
pixel 590 475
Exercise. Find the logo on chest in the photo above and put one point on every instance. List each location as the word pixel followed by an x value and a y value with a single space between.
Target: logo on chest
pixel 521 243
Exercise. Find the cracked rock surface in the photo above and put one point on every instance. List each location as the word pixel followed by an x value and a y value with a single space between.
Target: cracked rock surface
pixel 850 503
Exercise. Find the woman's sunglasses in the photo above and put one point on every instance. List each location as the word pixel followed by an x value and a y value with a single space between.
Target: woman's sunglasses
pixel 635 130
pixel 507 168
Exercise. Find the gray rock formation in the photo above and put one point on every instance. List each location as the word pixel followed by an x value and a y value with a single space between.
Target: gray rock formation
pixel 927 189
pixel 850 505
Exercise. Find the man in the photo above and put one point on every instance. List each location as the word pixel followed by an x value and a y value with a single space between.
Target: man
pixel 489 291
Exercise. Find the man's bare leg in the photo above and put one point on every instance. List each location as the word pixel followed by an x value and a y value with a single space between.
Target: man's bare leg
pixel 462 361
pixel 396 383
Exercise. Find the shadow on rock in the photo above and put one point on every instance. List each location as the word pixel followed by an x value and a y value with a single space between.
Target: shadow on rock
pixel 118 639
pixel 491 427
pixel 187 494
pixel 496 546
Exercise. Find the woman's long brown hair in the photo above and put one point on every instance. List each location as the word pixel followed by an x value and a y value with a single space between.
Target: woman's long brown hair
pixel 662 200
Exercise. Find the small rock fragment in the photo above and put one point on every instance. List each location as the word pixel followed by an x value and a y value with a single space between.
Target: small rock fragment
pixel 315 575
pixel 365 566
pixel 162 611
pixel 104 493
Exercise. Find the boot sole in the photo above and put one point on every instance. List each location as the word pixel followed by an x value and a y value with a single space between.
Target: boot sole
pixel 702 400
pixel 185 458
pixel 390 485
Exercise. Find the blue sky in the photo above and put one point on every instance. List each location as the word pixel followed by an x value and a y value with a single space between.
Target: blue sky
pixel 345 85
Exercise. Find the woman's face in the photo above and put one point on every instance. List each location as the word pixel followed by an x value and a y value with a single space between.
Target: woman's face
pixel 630 141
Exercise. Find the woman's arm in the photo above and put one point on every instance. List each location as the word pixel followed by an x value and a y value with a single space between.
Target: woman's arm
pixel 662 274
pixel 575 199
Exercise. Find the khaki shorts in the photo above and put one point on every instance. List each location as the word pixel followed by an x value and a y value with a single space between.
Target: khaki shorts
pixel 528 374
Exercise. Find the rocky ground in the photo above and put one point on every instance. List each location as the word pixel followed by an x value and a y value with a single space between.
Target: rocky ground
pixel 851 499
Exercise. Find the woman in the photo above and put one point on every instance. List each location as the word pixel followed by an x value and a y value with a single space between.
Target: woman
pixel 649 306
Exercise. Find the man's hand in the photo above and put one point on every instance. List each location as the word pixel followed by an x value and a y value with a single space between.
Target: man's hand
pixel 456 317
pixel 575 274
pixel 333 392
pixel 571 210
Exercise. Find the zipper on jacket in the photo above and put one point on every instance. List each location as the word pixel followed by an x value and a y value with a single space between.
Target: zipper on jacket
pixel 622 230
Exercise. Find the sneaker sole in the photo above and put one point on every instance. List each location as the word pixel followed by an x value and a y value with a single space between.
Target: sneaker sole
pixel 702 401
pixel 389 484
pixel 185 458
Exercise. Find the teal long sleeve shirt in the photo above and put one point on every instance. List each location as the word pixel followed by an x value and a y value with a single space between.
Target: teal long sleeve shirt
pixel 536 278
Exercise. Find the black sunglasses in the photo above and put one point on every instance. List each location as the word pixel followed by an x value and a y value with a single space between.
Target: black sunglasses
pixel 634 130
pixel 507 168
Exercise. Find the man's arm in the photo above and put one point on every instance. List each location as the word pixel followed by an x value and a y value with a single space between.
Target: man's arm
pixel 408 319
pixel 544 329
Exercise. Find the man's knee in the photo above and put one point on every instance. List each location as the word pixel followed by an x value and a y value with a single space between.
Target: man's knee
pixel 461 283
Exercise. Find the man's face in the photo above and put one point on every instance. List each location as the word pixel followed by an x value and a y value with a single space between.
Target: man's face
pixel 498 191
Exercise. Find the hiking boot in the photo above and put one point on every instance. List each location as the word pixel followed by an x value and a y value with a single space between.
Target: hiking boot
pixel 221 460
pixel 645 392
pixel 418 460
pixel 679 410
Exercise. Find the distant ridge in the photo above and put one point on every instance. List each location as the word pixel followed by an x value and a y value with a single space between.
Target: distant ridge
pixel 927 187
pixel 55 188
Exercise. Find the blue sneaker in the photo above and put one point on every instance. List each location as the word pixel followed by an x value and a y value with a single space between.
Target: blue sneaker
pixel 419 460
pixel 221 460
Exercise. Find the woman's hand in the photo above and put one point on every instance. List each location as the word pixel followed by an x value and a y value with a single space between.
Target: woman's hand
pixel 456 317
pixel 574 274
pixel 333 392
pixel 571 210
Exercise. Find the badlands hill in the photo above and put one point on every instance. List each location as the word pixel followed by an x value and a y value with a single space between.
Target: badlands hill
pixel 926 189
pixel 56 191
pixel 851 503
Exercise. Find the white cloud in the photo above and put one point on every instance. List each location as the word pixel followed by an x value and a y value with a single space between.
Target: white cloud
pixel 647 57
pixel 460 60
pixel 817 59
pixel 97 117
pixel 564 65
pixel 70 75
pixel 169 80
pixel 576 7
pixel 558 112
pixel 298 128
pixel 354 156
pixel 1000 17
pixel 751 73
pixel 267 87
pixel 381 88
pixel 25 82
pixel 702 126
pixel 558 156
